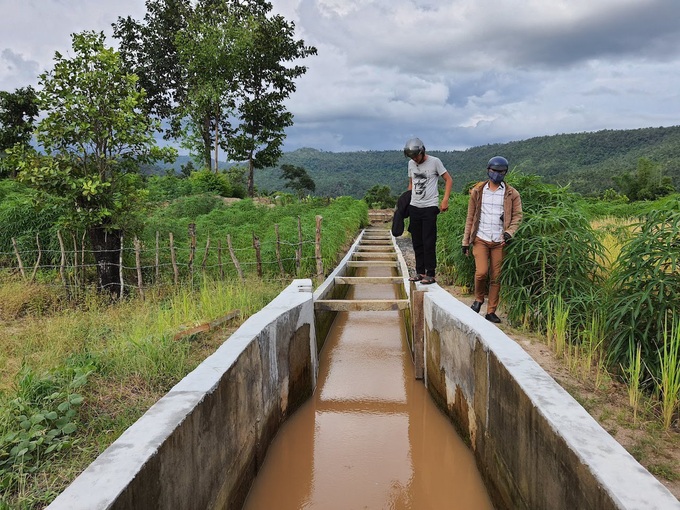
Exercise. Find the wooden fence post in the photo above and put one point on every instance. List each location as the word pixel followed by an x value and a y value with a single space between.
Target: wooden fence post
pixel 21 264
pixel 219 258
pixel 173 256
pixel 120 267
pixel 37 262
pixel 192 250
pixel 79 266
pixel 82 258
pixel 233 258
pixel 278 250
pixel 138 263
pixel 205 255
pixel 298 253
pixel 62 264
pixel 76 279
pixel 158 255
pixel 319 258
pixel 258 257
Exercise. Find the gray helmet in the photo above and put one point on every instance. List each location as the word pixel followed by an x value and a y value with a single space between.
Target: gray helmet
pixel 414 147
pixel 498 163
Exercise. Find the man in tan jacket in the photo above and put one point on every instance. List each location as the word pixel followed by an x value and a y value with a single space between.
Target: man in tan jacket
pixel 494 214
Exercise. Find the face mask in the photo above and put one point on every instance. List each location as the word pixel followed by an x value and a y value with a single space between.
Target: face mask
pixel 496 177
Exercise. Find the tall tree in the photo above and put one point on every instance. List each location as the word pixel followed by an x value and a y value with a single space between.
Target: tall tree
pixel 95 137
pixel 210 50
pixel 149 50
pixel 380 197
pixel 648 182
pixel 297 179
pixel 266 80
pixel 18 111
pixel 190 58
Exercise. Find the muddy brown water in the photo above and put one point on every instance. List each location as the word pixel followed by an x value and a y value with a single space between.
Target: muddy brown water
pixel 370 437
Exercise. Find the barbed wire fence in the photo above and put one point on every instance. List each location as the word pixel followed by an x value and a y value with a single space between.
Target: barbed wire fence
pixel 167 262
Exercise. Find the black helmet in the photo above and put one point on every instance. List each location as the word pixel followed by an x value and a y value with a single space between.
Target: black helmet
pixel 414 147
pixel 498 163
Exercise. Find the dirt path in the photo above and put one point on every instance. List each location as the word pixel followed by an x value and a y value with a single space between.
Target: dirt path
pixel 657 450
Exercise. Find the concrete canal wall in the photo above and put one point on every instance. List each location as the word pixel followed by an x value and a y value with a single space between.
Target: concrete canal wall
pixel 536 446
pixel 200 445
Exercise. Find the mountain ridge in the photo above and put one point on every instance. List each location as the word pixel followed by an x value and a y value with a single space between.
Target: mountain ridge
pixel 586 161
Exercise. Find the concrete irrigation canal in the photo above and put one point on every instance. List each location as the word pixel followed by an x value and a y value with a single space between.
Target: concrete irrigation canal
pixel 369 392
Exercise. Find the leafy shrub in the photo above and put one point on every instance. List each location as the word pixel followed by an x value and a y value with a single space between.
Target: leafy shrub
pixel 39 421
pixel 453 266
pixel 206 181
pixel 645 285
pixel 21 221
pixel 380 197
pixel 168 187
pixel 554 258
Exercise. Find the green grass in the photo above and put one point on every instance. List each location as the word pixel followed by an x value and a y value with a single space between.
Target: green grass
pixel 120 359
pixel 668 382
pixel 665 470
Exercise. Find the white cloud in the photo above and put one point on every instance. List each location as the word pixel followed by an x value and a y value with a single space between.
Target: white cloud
pixel 16 66
pixel 457 74
pixel 35 29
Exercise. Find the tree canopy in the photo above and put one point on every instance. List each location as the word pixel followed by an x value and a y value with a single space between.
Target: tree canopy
pixel 648 182
pixel 18 111
pixel 265 81
pixel 95 136
pixel 211 48
pixel 297 179
pixel 218 72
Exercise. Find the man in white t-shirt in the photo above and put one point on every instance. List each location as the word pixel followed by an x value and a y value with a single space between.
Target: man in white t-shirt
pixel 424 172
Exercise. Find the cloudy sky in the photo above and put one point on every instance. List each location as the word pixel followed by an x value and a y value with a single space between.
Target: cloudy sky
pixel 456 73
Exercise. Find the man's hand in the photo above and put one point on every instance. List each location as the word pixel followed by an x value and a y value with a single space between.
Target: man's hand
pixel 466 250
pixel 444 205
pixel 507 238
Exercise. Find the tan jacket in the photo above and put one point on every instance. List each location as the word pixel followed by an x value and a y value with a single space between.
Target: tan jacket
pixel 512 211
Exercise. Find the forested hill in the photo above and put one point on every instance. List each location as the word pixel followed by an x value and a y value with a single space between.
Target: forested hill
pixel 586 160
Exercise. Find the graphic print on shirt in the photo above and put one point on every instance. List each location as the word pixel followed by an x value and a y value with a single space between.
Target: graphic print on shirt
pixel 419 184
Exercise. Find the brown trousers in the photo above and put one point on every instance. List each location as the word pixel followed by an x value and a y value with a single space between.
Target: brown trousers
pixel 488 260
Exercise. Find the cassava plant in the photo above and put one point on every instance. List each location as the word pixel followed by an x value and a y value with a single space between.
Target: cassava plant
pixel 645 284
pixel 554 255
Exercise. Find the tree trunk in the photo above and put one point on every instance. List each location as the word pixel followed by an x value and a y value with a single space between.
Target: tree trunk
pixel 217 140
pixel 207 142
pixel 106 249
pixel 251 178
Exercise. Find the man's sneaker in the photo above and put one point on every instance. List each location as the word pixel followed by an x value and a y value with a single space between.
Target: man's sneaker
pixel 492 317
pixel 476 306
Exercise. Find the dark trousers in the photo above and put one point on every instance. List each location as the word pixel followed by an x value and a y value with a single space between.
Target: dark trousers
pixel 423 229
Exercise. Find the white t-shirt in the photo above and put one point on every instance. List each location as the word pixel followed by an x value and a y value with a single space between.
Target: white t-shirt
pixel 425 177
